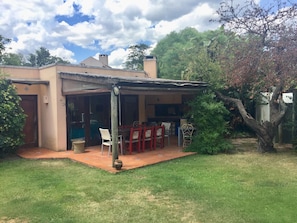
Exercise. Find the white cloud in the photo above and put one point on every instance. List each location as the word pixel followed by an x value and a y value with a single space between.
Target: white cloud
pixel 113 24
pixel 63 53
pixel 66 8
pixel 117 57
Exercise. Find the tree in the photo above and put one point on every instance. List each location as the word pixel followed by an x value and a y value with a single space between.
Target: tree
pixel 12 117
pixel 3 41
pixel 135 57
pixel 261 56
pixel 43 57
pixel 173 50
pixel 13 59
pixel 202 62
pixel 192 55
pixel 209 117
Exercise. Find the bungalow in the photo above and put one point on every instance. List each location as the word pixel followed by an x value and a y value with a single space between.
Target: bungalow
pixel 63 101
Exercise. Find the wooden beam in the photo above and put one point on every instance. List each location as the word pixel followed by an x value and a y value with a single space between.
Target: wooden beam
pixel 114 123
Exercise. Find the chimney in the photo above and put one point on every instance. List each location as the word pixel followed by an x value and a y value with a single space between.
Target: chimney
pixel 103 58
pixel 150 66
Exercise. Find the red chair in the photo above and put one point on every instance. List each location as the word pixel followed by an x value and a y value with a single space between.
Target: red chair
pixel 147 137
pixel 134 138
pixel 159 136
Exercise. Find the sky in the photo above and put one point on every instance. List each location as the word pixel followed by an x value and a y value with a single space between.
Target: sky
pixel 77 29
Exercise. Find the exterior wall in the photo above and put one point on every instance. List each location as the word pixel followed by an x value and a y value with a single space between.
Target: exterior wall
pixel 25 89
pixel 20 72
pixel 102 71
pixel 52 123
pixel 51 104
pixel 53 113
pixel 91 62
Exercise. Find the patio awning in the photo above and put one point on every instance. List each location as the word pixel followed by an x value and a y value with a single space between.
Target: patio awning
pixel 96 83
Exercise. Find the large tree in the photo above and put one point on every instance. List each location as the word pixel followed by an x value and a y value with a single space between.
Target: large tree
pixel 43 57
pixel 260 57
pixel 201 60
pixel 135 57
pixel 173 52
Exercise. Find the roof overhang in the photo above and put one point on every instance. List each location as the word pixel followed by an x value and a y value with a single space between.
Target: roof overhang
pixel 28 81
pixel 96 83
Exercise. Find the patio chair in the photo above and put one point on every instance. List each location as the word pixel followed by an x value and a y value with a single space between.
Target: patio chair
pixel 187 131
pixel 107 140
pixel 134 139
pixel 147 137
pixel 167 126
pixel 159 136
pixel 136 124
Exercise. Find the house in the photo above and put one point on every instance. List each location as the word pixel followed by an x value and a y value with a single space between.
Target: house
pixel 64 101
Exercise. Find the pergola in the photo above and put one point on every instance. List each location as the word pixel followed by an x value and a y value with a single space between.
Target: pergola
pixel 86 83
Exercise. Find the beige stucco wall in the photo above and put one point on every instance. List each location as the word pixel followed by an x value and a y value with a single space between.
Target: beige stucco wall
pixel 20 72
pixel 25 89
pixel 50 104
pixel 52 126
pixel 102 71
pixel 53 113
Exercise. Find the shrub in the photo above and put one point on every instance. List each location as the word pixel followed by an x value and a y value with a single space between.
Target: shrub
pixel 12 117
pixel 208 115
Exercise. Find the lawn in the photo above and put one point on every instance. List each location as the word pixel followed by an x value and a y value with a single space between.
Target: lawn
pixel 242 187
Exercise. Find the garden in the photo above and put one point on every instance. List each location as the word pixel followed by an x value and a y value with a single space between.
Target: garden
pixel 244 186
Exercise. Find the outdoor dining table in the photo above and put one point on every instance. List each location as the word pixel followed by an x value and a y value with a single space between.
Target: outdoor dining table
pixel 124 132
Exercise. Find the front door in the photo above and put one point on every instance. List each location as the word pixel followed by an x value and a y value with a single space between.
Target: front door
pixel 29 105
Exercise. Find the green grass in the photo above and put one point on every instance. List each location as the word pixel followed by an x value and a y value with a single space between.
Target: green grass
pixel 243 187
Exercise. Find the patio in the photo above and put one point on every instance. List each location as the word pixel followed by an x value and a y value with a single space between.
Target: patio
pixel 93 157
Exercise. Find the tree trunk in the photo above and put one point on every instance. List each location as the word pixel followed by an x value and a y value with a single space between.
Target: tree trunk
pixel 265 131
pixel 265 137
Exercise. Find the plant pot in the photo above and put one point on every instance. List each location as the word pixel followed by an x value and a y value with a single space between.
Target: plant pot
pixel 78 146
pixel 118 164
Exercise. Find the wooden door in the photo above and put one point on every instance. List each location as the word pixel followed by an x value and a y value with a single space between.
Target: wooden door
pixel 29 105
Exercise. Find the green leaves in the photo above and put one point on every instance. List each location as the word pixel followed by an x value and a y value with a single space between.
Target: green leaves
pixel 12 118
pixel 191 55
pixel 136 56
pixel 209 118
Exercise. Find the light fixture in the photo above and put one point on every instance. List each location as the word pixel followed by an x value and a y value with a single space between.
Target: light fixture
pixel 116 90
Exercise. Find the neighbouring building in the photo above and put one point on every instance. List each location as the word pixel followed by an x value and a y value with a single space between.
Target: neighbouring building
pixel 286 131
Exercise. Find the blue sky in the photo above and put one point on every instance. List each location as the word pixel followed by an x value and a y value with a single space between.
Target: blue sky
pixel 77 29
